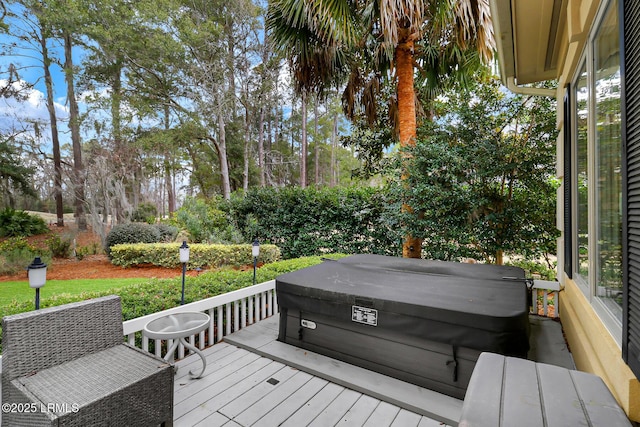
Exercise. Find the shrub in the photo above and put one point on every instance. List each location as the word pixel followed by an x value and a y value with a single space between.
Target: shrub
pixel 201 255
pixel 312 221
pixel 15 223
pixel 93 249
pixel 167 232
pixel 145 212
pixel 206 222
pixel 60 247
pixel 16 243
pixel 134 232
pixel 16 254
pixel 534 268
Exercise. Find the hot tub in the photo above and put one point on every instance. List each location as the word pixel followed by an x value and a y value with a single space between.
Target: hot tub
pixel 424 322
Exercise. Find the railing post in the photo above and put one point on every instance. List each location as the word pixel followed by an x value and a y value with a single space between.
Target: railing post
pixel 220 325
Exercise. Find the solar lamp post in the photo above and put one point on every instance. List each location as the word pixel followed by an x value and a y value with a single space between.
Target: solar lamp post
pixel 37 272
pixel 184 259
pixel 255 252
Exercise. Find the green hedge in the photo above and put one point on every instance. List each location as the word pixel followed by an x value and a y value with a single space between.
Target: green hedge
pixel 154 295
pixel 316 221
pixel 200 255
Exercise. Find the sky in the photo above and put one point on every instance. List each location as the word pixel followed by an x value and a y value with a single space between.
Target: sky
pixel 16 114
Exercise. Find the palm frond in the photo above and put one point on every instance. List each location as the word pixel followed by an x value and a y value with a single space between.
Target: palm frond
pixel 473 27
pixel 316 36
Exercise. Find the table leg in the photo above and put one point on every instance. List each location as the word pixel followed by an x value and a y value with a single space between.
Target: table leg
pixel 169 356
pixel 199 353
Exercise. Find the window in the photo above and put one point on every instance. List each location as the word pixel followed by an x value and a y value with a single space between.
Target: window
pixel 582 175
pixel 608 157
pixel 597 176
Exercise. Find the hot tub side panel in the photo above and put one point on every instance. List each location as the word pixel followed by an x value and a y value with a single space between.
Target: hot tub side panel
pixel 430 364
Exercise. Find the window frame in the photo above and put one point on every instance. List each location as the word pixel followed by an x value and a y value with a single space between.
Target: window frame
pixel 588 286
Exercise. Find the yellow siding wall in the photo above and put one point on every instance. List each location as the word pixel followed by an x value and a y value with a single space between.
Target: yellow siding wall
pixel 594 350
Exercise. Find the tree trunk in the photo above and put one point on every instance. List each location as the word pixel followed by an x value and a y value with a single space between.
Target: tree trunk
pixel 269 141
pixel 168 170
pixel 74 125
pixel 55 140
pixel 334 140
pixel 247 142
pixel 263 101
pixel 221 147
pixel 316 144
pixel 303 150
pixel 412 246
pixel 261 146
pixel 116 97
pixel 171 198
pixel 230 67
pixel 121 156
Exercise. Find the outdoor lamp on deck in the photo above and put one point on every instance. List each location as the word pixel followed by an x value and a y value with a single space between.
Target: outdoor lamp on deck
pixel 184 259
pixel 37 272
pixel 255 252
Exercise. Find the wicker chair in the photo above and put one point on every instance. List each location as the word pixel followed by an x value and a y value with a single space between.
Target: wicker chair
pixel 68 366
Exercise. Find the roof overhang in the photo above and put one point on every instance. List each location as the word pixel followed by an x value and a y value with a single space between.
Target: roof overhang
pixel 528 38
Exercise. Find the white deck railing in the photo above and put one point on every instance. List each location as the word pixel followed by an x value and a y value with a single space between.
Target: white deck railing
pixel 228 313
pixel 235 310
pixel 545 289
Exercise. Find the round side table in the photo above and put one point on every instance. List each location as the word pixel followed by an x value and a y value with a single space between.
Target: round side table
pixel 177 327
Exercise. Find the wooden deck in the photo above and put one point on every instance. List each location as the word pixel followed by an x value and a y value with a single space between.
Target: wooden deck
pixel 252 379
pixel 242 388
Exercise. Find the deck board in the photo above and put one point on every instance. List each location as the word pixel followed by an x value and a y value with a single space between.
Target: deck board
pixel 332 414
pixel 383 415
pixel 314 406
pixel 360 412
pixel 274 397
pixel 261 338
pixel 201 405
pixel 289 406
pixel 406 419
pixel 234 392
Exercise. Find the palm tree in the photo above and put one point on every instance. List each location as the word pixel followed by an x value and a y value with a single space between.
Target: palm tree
pixel 364 42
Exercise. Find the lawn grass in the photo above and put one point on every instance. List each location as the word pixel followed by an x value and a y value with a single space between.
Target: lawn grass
pixel 21 292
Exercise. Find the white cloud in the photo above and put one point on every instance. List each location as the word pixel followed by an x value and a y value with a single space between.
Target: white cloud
pixel 20 114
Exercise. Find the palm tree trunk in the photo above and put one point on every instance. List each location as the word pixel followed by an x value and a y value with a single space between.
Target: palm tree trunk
pixel 412 246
